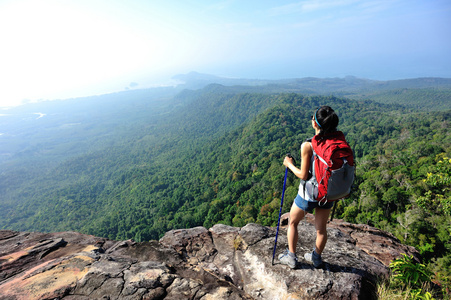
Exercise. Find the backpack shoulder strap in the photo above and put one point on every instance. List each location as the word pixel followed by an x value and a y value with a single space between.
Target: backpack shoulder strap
pixel 320 158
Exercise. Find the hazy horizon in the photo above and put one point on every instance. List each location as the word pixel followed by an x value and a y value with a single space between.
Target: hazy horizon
pixel 57 50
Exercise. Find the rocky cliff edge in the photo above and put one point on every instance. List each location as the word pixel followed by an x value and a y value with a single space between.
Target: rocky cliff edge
pixel 222 262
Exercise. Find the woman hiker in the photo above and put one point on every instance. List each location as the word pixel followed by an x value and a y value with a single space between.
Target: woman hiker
pixel 323 121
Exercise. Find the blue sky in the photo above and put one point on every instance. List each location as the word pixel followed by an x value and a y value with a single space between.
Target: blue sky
pixel 60 49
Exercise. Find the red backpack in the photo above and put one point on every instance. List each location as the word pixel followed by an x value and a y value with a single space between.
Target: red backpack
pixel 333 168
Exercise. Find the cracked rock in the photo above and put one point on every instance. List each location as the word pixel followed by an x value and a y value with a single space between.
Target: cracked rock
pixel 223 262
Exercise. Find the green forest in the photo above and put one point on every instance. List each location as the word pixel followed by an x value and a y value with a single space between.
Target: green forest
pixel 214 155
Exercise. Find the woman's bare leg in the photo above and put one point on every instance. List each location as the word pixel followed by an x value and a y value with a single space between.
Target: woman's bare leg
pixel 296 215
pixel 321 216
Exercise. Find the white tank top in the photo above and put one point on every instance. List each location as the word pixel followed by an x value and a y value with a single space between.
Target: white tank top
pixel 301 190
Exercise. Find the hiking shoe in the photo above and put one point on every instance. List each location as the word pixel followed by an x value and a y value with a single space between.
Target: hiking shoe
pixel 288 259
pixel 314 258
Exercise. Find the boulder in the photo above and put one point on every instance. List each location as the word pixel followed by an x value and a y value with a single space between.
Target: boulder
pixel 222 262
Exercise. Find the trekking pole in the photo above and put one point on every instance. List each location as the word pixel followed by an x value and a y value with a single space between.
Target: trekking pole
pixel 280 213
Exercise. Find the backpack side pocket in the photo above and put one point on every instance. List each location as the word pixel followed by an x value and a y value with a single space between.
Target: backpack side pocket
pixel 340 182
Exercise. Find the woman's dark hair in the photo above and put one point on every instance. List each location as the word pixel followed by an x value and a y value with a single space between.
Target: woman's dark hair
pixel 327 119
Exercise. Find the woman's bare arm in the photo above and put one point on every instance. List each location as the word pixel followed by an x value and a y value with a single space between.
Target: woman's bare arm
pixel 306 154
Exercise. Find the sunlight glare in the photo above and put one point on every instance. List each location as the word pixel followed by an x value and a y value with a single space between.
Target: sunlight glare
pixel 50 48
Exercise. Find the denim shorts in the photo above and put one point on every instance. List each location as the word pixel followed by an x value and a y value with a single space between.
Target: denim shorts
pixel 309 206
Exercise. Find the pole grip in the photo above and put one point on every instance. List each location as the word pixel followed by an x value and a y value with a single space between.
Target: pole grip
pixel 290 156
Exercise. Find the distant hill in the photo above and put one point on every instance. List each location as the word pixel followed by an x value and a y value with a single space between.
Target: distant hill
pixel 429 93
pixel 318 84
pixel 199 80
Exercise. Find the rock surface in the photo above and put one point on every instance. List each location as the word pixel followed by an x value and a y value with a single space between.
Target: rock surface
pixel 222 262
